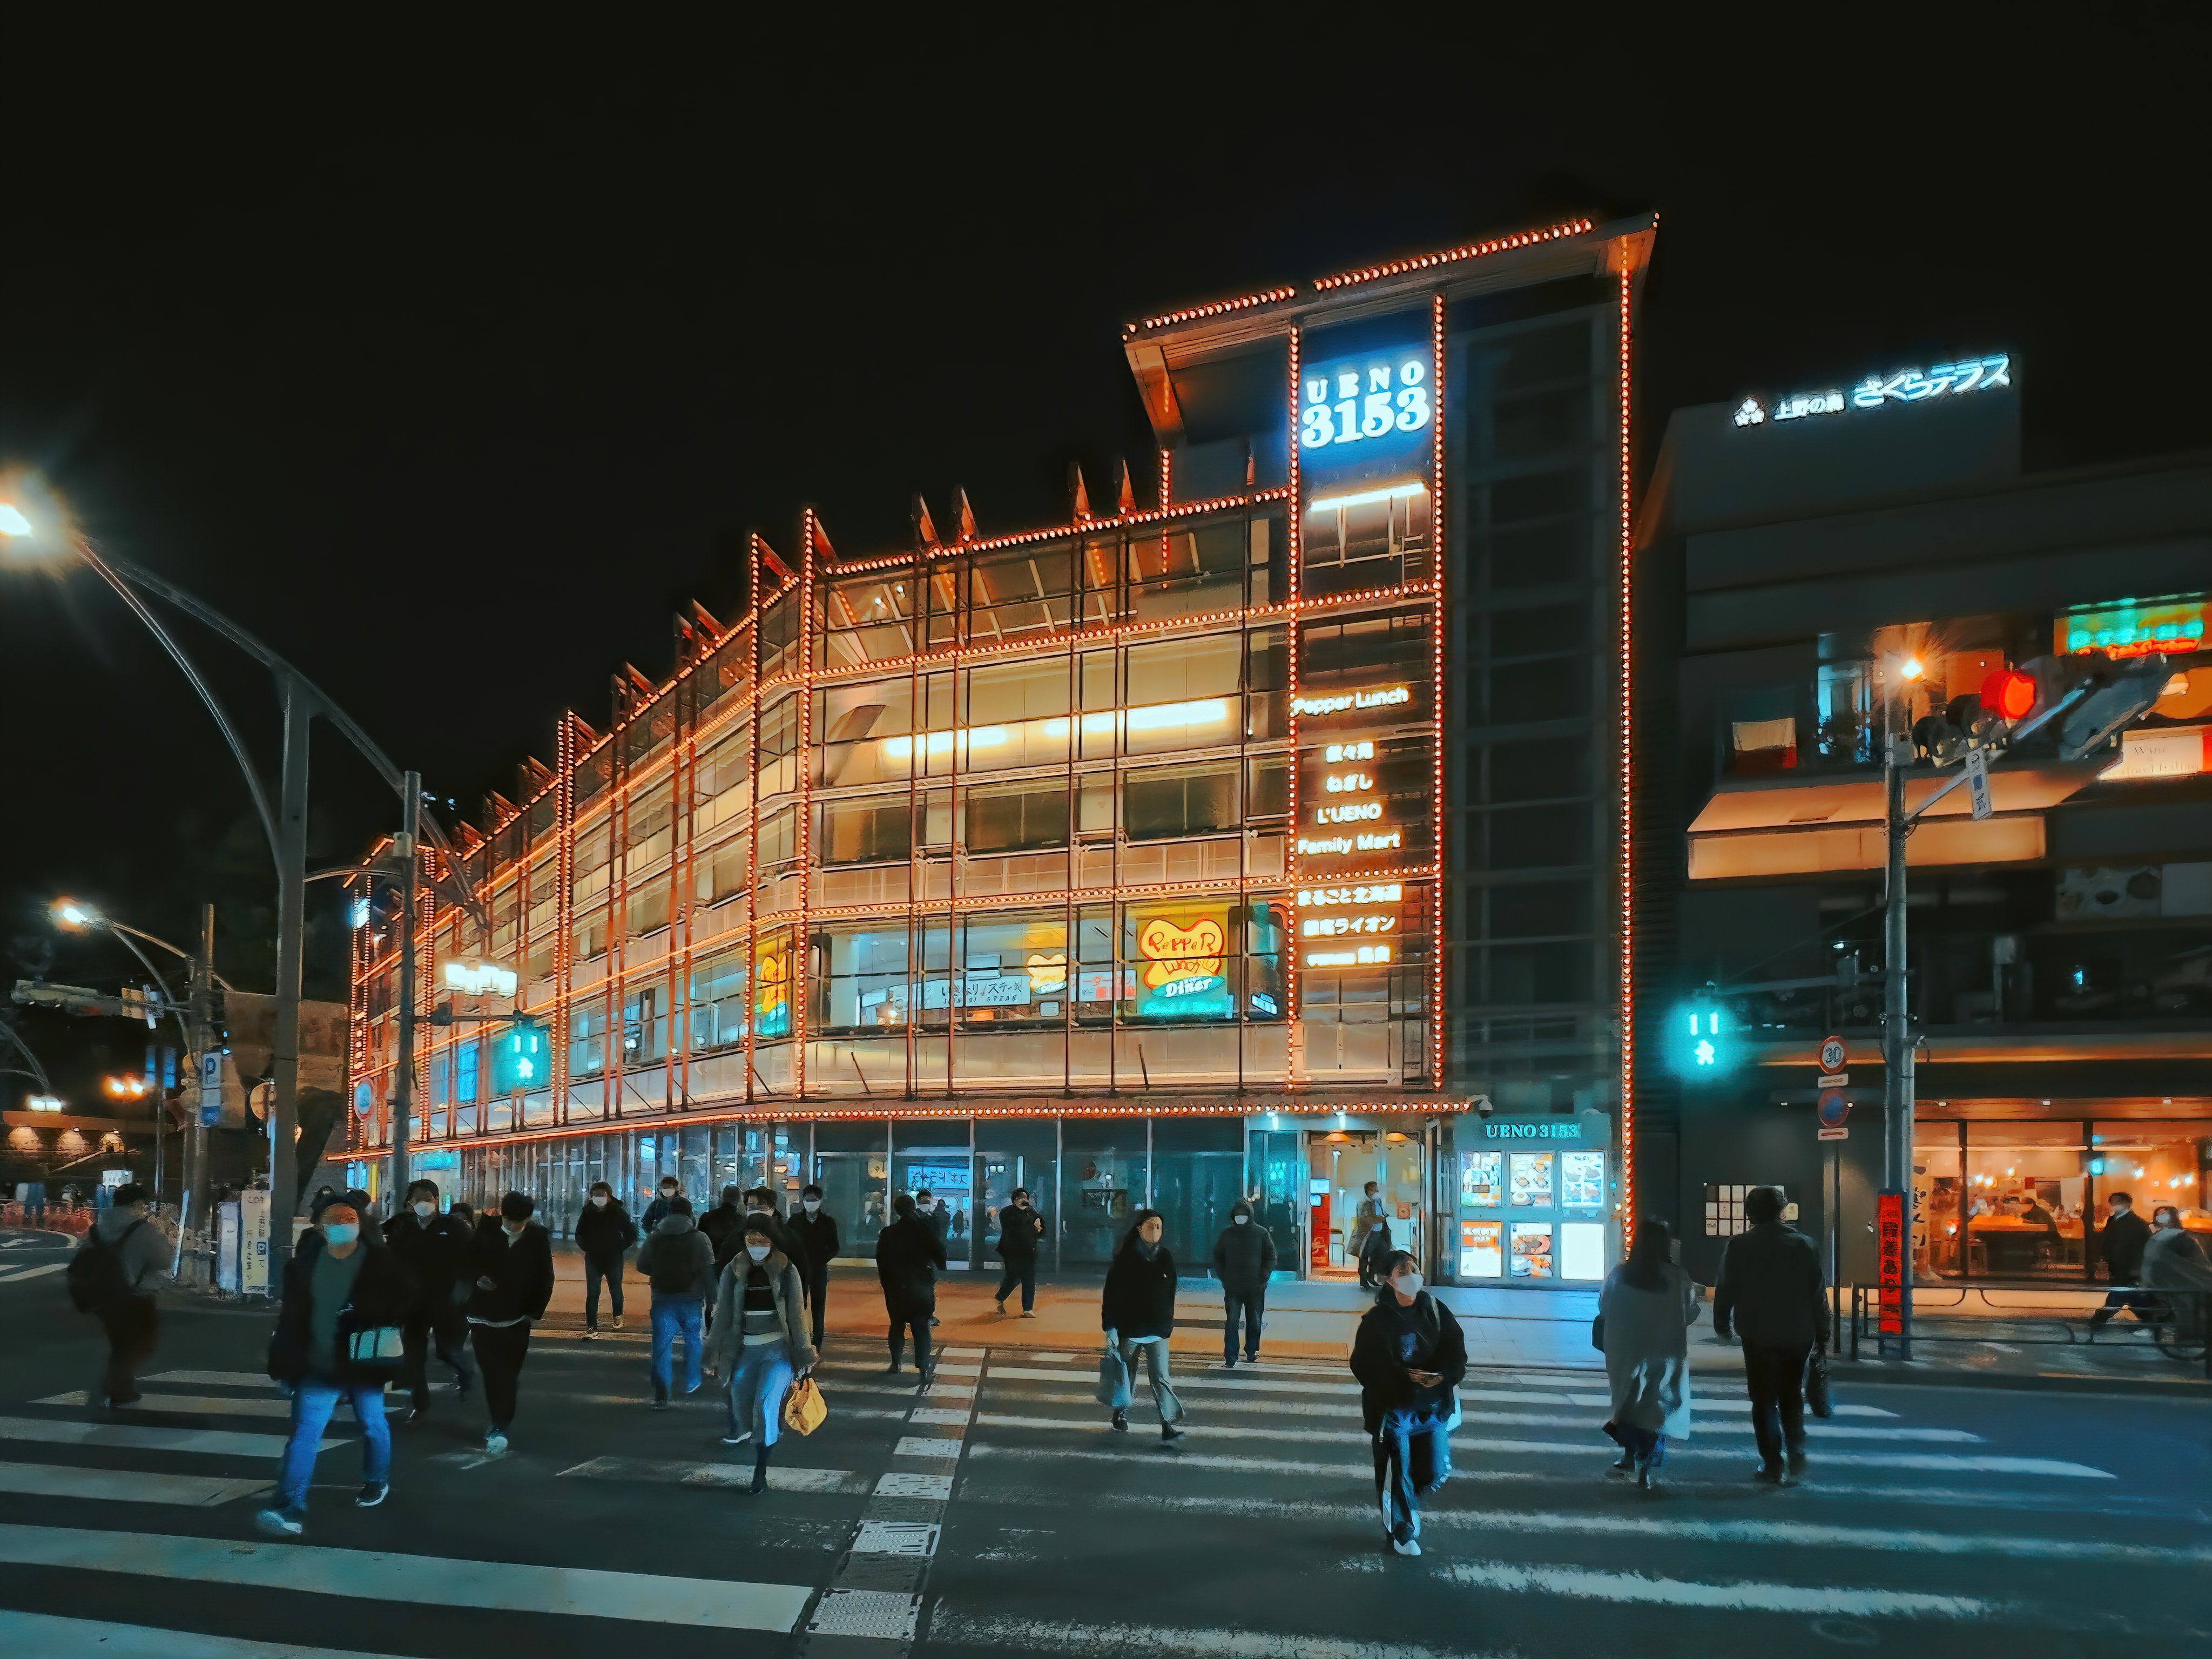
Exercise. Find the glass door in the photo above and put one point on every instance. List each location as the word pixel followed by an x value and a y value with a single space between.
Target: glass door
pixel 946 1173
pixel 853 1190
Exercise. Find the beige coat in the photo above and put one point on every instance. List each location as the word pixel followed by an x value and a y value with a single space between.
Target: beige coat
pixel 783 1283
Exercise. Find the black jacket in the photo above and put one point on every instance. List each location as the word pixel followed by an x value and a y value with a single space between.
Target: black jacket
pixel 1771 1288
pixel 677 1261
pixel 2120 1244
pixel 521 1272
pixel 725 1227
pixel 908 1254
pixel 818 1236
pixel 1243 1256
pixel 1393 1342
pixel 1020 1232
pixel 384 1293
pixel 794 1248
pixel 433 1251
pixel 1140 1298
pixel 604 1235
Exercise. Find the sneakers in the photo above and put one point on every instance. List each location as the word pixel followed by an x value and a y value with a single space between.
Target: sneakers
pixel 1230 1364
pixel 694 1387
pixel 371 1494
pixel 1405 1545
pixel 617 1321
pixel 737 1439
pixel 1120 1422
pixel 1626 1465
pixel 891 1370
pixel 1029 1312
pixel 1796 1464
pixel 416 1415
pixel 281 1524
pixel 1171 1431
pixel 496 1441
pixel 1002 1307
pixel 760 1479
pixel 590 1331
pixel 1647 1478
pixel 1777 1474
pixel 660 1402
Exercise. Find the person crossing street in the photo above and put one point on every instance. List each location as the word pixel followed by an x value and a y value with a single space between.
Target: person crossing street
pixel 1137 1314
pixel 760 1342
pixel 816 1231
pixel 113 1274
pixel 1020 1230
pixel 1770 1290
pixel 1243 1257
pixel 1408 1355
pixel 909 1257
pixel 603 1231
pixel 433 1247
pixel 678 1262
pixel 510 1263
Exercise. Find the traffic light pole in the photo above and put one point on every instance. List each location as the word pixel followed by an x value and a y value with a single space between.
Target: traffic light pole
pixel 299 707
pixel 1897 1043
pixel 402 1081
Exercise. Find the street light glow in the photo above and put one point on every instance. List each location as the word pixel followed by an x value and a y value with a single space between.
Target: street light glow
pixel 1913 670
pixel 43 1103
pixel 12 521
pixel 68 913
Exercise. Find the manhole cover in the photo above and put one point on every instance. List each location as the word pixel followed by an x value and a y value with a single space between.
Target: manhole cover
pixel 914 1445
pixel 865 1613
pixel 939 1487
pixel 896 1538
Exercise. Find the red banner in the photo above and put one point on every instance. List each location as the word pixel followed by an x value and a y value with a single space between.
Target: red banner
pixel 1889 1229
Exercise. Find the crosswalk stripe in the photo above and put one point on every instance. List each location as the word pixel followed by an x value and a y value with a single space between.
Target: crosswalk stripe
pixel 1594 1584
pixel 146 1436
pixel 213 1379
pixel 414 1580
pixel 210 1405
pixel 1236 1385
pixel 14 1273
pixel 672 1472
pixel 955 1628
pixel 53 1637
pixel 942 1370
pixel 122 1486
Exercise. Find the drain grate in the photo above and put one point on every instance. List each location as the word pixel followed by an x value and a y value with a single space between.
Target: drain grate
pixel 896 1538
pixel 939 1487
pixel 914 1445
pixel 883 1613
pixel 925 1415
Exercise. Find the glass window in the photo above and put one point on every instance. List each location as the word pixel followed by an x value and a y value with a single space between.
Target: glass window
pixel 866 988
pixel 648 908
pixel 645 1026
pixel 465 1073
pixel 648 822
pixel 866 832
pixel 1531 1249
pixel 1179 801
pixel 1102 1182
pixel 1020 593
pixel 717 1002
pixel 2155 1164
pixel 2026 1188
pixel 587 1040
pixel 866 731
pixel 1179 954
pixel 1181 694
pixel 1009 817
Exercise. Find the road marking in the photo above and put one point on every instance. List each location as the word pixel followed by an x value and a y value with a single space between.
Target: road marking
pixel 1139 1450
pixel 413 1580
pixel 914 1445
pixel 864 1365
pixel 668 1472
pixel 211 1404
pixel 146 1436
pixel 887 1615
pixel 922 1415
pixel 1591 1584
pixel 15 1274
pixel 50 1637
pixel 1255 1385
pixel 123 1486
pixel 935 1486
pixel 896 1538
pixel 216 1380
pixel 954 1628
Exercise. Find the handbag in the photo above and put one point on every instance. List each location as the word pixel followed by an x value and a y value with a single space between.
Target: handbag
pixel 374 1343
pixel 803 1407
pixel 1113 1380
pixel 1597 1333
pixel 1817 1398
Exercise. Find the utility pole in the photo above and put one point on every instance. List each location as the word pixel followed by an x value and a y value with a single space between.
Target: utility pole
pixel 291 927
pixel 402 1083
pixel 201 1025
pixel 1897 1042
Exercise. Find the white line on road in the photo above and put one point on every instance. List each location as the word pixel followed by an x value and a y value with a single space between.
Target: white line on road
pixel 414 1580
pixel 1808 1599
pixel 216 1380
pixel 1186 1460
pixel 146 1436
pixel 667 1472
pixel 950 1627
pixel 210 1404
pixel 122 1486
pixel 50 1637
pixel 15 1274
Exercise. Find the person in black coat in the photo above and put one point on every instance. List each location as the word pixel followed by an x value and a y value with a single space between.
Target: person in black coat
pixel 1243 1257
pixel 603 1231
pixel 512 1264
pixel 2120 1244
pixel 1021 1229
pixel 1771 1292
pixel 346 1296
pixel 1138 1313
pixel 908 1256
pixel 815 1232
pixel 1408 1354
pixel 433 1246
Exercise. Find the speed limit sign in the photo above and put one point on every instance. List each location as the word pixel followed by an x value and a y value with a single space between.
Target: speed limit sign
pixel 1833 1056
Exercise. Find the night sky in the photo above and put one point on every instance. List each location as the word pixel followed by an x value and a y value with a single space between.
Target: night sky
pixel 451 358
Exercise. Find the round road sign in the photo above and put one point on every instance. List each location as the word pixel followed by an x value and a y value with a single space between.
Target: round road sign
pixel 1835 1106
pixel 1833 1056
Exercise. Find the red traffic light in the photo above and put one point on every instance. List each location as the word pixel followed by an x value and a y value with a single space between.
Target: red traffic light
pixel 2008 694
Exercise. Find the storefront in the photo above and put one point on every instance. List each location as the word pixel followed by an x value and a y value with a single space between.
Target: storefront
pixel 1534 1198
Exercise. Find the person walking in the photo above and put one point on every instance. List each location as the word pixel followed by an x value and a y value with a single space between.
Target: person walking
pixel 511 1264
pixel 1243 1257
pixel 760 1205
pixel 724 1226
pixel 1645 1309
pixel 346 1297
pixel 118 1266
pixel 760 1342
pixel 678 1262
pixel 2120 1244
pixel 1137 1314
pixel 938 1221
pixel 1771 1292
pixel 909 1257
pixel 816 1231
pixel 1408 1355
pixel 1364 1220
pixel 603 1231
pixel 433 1247
pixel 1021 1229
pixel 659 1206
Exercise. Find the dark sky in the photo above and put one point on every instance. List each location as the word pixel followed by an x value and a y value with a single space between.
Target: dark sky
pixel 451 357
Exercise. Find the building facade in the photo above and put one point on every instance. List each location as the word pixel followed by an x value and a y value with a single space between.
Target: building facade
pixel 1257 836
pixel 1839 564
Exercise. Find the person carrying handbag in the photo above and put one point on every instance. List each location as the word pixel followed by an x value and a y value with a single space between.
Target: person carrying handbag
pixel 759 1341
pixel 339 1337
pixel 1645 1309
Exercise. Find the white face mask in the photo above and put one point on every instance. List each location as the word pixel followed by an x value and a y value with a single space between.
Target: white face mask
pixel 667 1192
pixel 812 1205
pixel 599 1199
pixel 426 1211
pixel 1407 1284
pixel 1240 1219
pixel 758 1252
pixel 341 1232
pixel 514 1229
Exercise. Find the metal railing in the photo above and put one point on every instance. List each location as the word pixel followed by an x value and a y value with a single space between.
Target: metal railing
pixel 2179 1322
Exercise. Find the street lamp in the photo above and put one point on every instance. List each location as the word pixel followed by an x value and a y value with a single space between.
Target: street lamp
pixel 43 1103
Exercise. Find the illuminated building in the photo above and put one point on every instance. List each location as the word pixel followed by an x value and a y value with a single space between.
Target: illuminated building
pixel 1145 857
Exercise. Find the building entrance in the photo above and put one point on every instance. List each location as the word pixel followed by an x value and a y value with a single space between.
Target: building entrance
pixel 1339 1214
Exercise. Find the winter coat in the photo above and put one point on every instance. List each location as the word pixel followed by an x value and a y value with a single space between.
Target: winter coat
pixel 724 1227
pixel 2174 1260
pixel 819 1242
pixel 520 1269
pixel 677 1259
pixel 383 1293
pixel 2120 1244
pixel 1647 1349
pixel 1020 1231
pixel 909 1252
pixel 1364 1219
pixel 1140 1298
pixel 1244 1254
pixel 1770 1289
pixel 657 1212
pixel 142 1253
pixel 786 1242
pixel 433 1251
pixel 1391 1343
pixel 604 1235
pixel 785 1286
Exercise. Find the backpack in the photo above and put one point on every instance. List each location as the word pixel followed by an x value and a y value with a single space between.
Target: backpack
pixel 676 1277
pixel 95 1276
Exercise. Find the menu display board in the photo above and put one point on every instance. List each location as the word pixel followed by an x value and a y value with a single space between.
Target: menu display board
pixel 1481 1179
pixel 1531 1249
pixel 1582 1180
pixel 1532 1181
pixel 1581 1250
pixel 1481 1250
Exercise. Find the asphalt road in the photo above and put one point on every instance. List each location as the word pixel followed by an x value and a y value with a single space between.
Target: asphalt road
pixel 998 1516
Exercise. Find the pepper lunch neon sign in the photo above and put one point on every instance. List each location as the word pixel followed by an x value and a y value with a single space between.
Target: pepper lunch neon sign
pixel 1348 404
pixel 1907 386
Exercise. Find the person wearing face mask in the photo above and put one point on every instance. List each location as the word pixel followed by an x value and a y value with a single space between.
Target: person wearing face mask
pixel 2120 1244
pixel 816 1231
pixel 340 1291
pixel 679 1264
pixel 603 1232
pixel 1020 1229
pixel 1408 1355
pixel 1646 1309
pixel 2174 1265
pixel 1361 1247
pixel 1137 1314
pixel 511 1262
pixel 760 1205
pixel 760 1342
pixel 908 1258
pixel 659 1206
pixel 433 1247
pixel 1243 1257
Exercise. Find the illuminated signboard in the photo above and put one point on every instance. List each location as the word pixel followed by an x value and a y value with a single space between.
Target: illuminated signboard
pixel 1906 386
pixel 2134 628
pixel 1352 925
pixel 1183 956
pixel 1359 400
pixel 1322 704
pixel 473 976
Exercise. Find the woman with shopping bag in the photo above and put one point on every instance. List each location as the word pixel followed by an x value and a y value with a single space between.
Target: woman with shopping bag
pixel 1645 1309
pixel 759 1342
pixel 1409 1355
pixel 1138 1316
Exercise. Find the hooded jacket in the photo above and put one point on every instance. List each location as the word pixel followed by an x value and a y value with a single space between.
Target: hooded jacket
pixel 520 1269
pixel 724 1227
pixel 1392 1342
pixel 657 1212
pixel 383 1294
pixel 1139 1299
pixel 677 1259
pixel 433 1251
pixel 908 1255
pixel 1244 1254
pixel 728 1336
pixel 1020 1231
pixel 604 1234
pixel 143 1256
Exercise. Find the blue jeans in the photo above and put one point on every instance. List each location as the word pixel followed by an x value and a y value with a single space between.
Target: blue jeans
pixel 758 1382
pixel 671 1314
pixel 1641 1446
pixel 313 1401
pixel 1401 1463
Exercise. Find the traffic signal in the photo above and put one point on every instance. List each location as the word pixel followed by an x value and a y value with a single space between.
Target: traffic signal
pixel 2107 695
pixel 521 1059
pixel 1705 1041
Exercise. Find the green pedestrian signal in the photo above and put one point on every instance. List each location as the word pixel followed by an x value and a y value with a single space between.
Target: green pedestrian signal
pixel 1707 1050
pixel 521 1059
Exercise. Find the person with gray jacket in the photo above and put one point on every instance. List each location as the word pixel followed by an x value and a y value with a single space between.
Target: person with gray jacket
pixel 119 1265
pixel 678 1262
pixel 760 1340
pixel 1772 1291
pixel 1243 1257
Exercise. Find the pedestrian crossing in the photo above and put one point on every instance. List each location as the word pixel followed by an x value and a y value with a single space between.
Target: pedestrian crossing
pixel 892 1524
